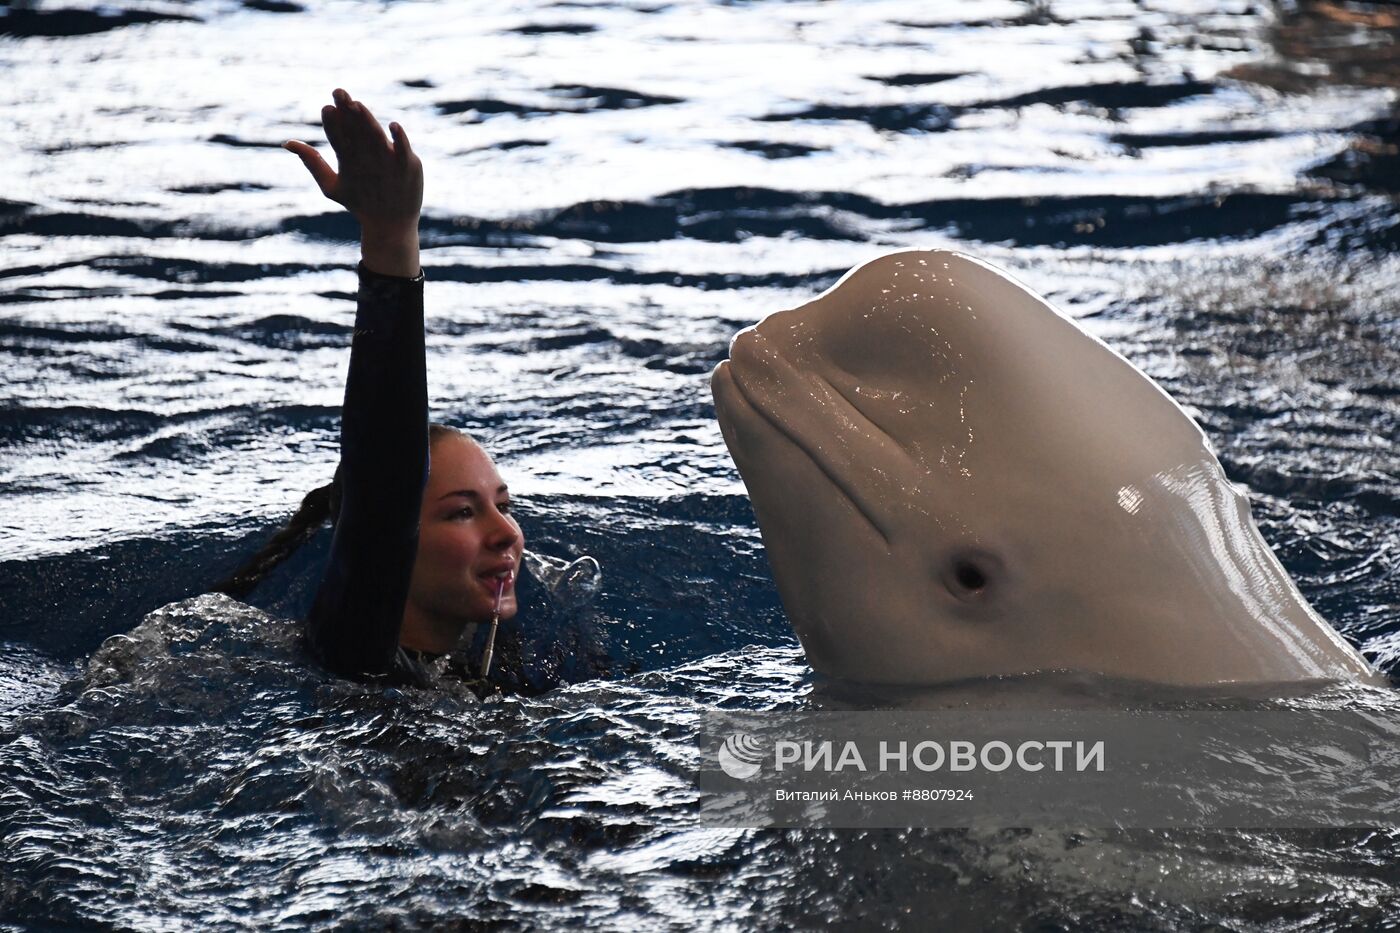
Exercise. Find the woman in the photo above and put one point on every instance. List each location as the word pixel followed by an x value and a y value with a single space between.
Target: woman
pixel 419 555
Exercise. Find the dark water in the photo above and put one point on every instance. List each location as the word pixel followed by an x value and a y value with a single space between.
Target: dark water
pixel 613 190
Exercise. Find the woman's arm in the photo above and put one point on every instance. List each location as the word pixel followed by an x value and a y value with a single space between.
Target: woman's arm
pixel 354 622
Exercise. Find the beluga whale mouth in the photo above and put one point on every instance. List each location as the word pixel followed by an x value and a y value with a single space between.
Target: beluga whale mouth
pixel 953 480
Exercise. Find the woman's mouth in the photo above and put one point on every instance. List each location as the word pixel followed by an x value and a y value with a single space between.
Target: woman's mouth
pixel 498 580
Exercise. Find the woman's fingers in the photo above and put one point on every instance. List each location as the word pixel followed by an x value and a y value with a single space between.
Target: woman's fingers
pixel 369 125
pixel 323 174
pixel 350 126
pixel 401 145
pixel 333 123
pixel 379 179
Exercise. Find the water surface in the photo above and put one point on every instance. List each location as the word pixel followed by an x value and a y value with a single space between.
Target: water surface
pixel 613 189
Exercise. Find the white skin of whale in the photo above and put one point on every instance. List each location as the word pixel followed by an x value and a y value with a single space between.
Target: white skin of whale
pixel 953 480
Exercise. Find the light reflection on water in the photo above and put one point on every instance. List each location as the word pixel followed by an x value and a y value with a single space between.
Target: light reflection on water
pixel 1207 186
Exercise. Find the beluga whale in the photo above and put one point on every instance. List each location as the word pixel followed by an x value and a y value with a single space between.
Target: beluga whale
pixel 953 480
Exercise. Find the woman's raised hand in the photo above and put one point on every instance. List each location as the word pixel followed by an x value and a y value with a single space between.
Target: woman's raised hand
pixel 377 179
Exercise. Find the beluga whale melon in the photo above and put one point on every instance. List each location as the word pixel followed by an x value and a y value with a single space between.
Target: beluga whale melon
pixel 953 480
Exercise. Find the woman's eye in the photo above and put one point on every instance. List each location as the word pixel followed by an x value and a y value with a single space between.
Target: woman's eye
pixel 503 508
pixel 461 513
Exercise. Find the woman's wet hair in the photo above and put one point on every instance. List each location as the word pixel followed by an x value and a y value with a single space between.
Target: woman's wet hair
pixel 318 506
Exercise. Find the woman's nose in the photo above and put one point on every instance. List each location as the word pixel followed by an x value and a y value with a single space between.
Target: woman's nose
pixel 503 532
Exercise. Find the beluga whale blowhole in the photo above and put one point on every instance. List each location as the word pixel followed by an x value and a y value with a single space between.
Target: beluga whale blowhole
pixel 953 480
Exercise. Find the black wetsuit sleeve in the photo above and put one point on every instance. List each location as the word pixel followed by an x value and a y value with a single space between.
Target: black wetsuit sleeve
pixel 353 627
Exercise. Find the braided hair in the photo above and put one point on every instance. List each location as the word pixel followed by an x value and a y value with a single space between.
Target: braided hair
pixel 317 506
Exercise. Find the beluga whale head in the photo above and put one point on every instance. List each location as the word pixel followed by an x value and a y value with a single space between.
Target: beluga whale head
pixel 953 480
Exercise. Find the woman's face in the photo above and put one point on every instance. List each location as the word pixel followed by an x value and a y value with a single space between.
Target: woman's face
pixel 468 543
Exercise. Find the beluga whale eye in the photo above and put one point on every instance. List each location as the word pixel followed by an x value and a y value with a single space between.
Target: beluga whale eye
pixel 971 573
